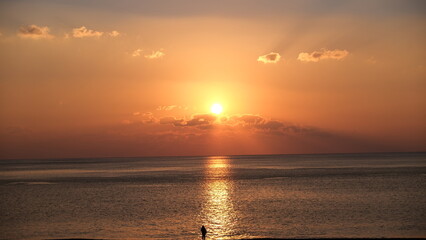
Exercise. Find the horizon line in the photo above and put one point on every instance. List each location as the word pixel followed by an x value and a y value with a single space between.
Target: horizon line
pixel 229 155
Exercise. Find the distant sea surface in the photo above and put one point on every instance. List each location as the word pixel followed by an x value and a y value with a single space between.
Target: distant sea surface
pixel 235 197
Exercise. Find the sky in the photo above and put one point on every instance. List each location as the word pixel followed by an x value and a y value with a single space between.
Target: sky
pixel 138 78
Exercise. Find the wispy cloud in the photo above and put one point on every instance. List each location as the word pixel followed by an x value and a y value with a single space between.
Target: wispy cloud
pixel 171 107
pixel 137 52
pixel 166 108
pixel 155 55
pixel 34 32
pixel 322 54
pixel 269 58
pixel 114 34
pixel 83 32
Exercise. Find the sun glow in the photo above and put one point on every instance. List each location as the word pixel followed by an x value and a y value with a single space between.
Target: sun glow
pixel 216 108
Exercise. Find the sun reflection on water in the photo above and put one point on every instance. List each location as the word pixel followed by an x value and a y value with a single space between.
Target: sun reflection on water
pixel 218 213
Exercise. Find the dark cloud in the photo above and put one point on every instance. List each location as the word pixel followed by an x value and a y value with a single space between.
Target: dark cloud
pixel 196 120
pixel 34 32
pixel 235 123
pixel 272 125
pixel 246 122
pixel 262 124
pixel 172 120
pixel 248 119
pixel 201 119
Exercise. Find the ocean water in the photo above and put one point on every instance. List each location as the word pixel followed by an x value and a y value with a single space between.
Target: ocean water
pixel 235 197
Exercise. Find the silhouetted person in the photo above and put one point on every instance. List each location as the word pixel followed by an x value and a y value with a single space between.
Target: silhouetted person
pixel 203 232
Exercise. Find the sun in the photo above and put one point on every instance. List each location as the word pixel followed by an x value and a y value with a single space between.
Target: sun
pixel 216 108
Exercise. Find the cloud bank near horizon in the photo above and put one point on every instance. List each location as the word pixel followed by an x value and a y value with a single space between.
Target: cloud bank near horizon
pixel 202 134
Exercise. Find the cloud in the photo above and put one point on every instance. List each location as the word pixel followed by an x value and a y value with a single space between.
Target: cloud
pixel 155 55
pixel 322 54
pixel 146 139
pixel 239 134
pixel 137 52
pixel 138 117
pixel 172 120
pixel 167 108
pixel 201 119
pixel 246 122
pixel 198 120
pixel 269 58
pixel 261 124
pixel 248 119
pixel 83 32
pixel 171 107
pixel 34 32
pixel 114 34
pixel 167 120
pixel 148 117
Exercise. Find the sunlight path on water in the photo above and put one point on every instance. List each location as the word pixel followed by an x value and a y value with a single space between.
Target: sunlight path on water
pixel 218 213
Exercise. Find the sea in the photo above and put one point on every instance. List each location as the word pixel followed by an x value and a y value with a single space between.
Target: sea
pixel 375 195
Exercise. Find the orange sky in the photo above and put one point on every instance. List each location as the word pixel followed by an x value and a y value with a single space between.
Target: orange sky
pixel 138 78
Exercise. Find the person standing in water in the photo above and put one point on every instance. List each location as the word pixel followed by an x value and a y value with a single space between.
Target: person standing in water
pixel 203 232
